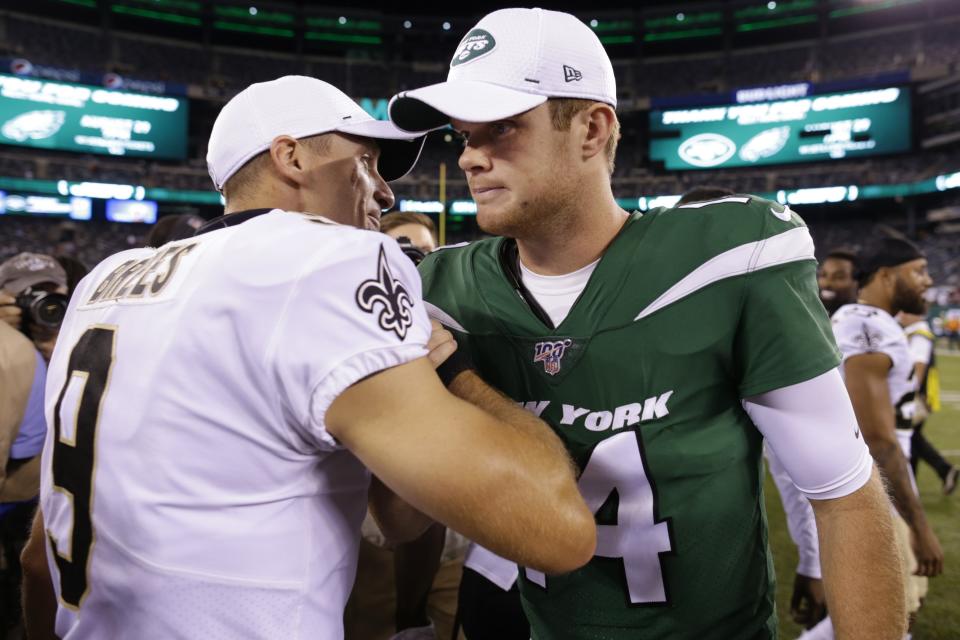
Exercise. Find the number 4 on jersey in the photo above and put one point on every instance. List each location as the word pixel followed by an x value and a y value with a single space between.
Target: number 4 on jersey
pixel 638 538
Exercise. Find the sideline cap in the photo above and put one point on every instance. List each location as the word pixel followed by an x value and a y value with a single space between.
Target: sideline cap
pixel 509 63
pixel 886 251
pixel 28 269
pixel 300 107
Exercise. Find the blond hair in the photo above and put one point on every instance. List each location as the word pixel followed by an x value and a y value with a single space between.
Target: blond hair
pixel 562 111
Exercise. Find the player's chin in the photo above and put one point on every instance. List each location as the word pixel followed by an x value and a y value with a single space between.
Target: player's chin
pixel 496 219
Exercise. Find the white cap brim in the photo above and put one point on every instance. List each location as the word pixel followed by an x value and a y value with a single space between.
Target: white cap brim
pixel 434 106
pixel 399 149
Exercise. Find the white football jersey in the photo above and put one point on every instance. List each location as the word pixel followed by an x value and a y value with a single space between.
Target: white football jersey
pixel 190 488
pixel 861 328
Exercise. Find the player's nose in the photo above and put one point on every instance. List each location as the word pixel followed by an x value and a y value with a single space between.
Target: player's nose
pixel 473 159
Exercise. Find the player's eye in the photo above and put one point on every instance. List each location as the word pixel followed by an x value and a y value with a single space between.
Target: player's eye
pixel 462 137
pixel 501 128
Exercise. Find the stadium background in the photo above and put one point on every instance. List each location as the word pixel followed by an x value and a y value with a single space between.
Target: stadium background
pixel 895 168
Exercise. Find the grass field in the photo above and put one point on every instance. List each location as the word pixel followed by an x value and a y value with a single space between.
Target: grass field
pixel 940 617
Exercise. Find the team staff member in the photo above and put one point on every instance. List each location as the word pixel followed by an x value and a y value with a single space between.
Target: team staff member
pixel 921 340
pixel 594 319
pixel 214 405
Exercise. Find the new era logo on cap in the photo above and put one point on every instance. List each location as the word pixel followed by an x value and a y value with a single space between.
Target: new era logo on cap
pixel 570 74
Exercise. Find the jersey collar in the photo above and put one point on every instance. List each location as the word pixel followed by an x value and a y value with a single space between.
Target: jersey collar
pixel 231 219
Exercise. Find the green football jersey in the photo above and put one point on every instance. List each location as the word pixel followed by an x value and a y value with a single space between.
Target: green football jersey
pixel 690 310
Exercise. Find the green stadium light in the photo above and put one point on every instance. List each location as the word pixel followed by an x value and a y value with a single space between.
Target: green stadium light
pixel 679 35
pixel 688 19
pixel 343 37
pixel 782 6
pixel 617 39
pixel 347 24
pixel 776 24
pixel 155 15
pixel 89 4
pixel 614 25
pixel 249 28
pixel 867 8
pixel 255 15
pixel 186 5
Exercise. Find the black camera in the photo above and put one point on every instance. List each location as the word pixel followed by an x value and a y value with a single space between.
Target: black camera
pixel 42 308
pixel 411 251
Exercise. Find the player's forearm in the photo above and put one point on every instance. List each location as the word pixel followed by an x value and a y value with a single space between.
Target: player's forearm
pixel 545 464
pixel 398 520
pixel 471 387
pixel 864 585
pixel 894 467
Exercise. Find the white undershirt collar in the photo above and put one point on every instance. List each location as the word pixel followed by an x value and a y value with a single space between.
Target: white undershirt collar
pixel 557 294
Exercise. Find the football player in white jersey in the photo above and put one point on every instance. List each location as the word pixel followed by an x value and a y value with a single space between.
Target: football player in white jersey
pixel 879 374
pixel 215 404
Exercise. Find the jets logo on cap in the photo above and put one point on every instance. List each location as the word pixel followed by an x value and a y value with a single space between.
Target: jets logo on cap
pixel 474 45
pixel 570 74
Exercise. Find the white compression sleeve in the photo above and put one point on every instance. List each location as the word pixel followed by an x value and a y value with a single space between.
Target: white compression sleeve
pixel 813 430
pixel 800 520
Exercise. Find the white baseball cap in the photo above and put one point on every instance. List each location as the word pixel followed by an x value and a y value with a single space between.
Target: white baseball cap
pixel 300 107
pixel 511 62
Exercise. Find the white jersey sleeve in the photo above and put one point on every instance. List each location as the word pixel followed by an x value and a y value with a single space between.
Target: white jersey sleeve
pixel 861 329
pixel 800 521
pixel 920 341
pixel 373 319
pixel 813 430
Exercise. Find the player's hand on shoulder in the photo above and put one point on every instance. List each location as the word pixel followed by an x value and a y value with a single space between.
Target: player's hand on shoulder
pixel 441 344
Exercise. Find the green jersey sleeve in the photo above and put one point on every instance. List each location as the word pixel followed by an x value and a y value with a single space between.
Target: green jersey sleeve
pixel 783 336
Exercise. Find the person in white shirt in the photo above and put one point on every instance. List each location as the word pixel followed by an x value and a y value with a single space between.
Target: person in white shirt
pixel 922 341
pixel 216 405
pixel 878 370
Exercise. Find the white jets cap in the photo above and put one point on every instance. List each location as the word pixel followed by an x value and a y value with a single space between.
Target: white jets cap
pixel 511 62
pixel 300 107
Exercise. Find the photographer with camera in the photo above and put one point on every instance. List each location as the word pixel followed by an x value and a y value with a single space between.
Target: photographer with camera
pixel 33 298
pixel 414 232
pixel 32 305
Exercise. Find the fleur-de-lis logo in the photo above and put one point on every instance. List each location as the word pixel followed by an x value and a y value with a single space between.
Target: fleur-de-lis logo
pixel 394 314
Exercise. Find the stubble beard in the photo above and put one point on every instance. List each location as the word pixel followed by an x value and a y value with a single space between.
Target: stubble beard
pixel 908 300
pixel 535 216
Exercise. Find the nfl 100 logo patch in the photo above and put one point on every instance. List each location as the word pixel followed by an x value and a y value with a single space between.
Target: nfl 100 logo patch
pixel 550 353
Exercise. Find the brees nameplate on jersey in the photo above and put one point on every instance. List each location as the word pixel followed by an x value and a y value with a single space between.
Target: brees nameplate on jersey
pixel 145 278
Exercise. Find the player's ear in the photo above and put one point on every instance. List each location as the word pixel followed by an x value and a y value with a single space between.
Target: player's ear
pixel 285 158
pixel 600 120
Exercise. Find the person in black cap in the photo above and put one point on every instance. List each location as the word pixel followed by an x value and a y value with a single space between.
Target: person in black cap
pixel 879 375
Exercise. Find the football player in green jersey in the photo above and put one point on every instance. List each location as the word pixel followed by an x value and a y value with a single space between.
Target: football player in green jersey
pixel 663 348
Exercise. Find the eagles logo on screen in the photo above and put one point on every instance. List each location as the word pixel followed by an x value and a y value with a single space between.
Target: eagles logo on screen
pixel 707 150
pixel 33 125
pixel 391 295
pixel 550 353
pixel 765 144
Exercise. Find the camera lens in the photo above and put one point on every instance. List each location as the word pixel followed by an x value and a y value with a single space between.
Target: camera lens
pixel 50 310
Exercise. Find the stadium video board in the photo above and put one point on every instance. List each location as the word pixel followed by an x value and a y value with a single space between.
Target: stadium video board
pixel 809 129
pixel 144 211
pixel 76 117
pixel 45 205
